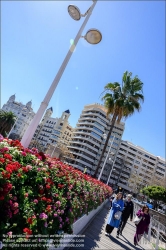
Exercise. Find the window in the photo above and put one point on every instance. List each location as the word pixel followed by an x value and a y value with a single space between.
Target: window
pixel 98 130
pixel 138 162
pixel 96 135
pixel 99 125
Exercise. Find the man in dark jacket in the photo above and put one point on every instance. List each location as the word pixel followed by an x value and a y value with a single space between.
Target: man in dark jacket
pixel 126 213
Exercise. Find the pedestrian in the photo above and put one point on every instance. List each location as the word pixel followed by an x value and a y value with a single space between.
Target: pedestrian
pixel 115 214
pixel 126 213
pixel 143 225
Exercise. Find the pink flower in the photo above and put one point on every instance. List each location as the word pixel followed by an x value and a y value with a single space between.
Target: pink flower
pixel 58 203
pixel 43 216
pixel 60 226
pixel 45 224
pixel 16 211
pixel 15 204
pixel 1 138
pixel 35 201
pixel 26 195
pixel 58 211
pixel 23 153
pixel 62 211
pixel 14 198
pixel 29 167
pixel 10 233
pixel 55 215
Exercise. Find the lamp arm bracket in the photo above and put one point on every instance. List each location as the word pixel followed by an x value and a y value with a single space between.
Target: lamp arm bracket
pixel 86 13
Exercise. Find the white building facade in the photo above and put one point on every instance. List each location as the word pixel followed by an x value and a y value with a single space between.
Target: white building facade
pixel 53 130
pixel 24 115
pixel 87 140
pixel 147 168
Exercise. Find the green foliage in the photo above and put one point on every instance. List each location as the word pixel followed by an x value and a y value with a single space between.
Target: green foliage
pixel 155 193
pixel 121 101
pixel 7 120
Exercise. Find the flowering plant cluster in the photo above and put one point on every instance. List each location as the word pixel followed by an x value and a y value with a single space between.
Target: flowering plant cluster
pixel 42 195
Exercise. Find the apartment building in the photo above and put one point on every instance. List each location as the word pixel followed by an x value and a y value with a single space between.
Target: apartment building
pixel 88 141
pixel 24 115
pixel 53 130
pixel 145 168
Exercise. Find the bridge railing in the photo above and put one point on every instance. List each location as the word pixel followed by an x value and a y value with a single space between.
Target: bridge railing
pixel 157 230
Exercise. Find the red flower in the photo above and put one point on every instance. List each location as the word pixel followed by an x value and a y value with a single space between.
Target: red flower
pixel 48 200
pixel 24 169
pixel 29 220
pixel 5 175
pixel 27 231
pixel 41 191
pixel 48 208
pixel 7 156
pixel 60 185
pixel 48 186
pixel 2 160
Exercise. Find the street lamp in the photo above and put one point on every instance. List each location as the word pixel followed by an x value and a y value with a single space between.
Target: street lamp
pixel 106 156
pixel 112 169
pixel 61 142
pixel 93 36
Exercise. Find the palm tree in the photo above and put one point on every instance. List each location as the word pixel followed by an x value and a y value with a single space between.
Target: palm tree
pixel 7 120
pixel 121 101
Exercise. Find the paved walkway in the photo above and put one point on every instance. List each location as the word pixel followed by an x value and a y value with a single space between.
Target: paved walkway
pixel 95 236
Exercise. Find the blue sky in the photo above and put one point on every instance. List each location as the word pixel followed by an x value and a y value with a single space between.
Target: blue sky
pixel 35 37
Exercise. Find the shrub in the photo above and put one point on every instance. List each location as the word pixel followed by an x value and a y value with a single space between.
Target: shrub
pixel 40 195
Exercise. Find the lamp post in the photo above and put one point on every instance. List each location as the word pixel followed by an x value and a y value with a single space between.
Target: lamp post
pixel 92 36
pixel 61 142
pixel 106 158
pixel 113 162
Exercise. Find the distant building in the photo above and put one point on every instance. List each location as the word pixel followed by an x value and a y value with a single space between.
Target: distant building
pixel 53 130
pixel 87 140
pixel 24 113
pixel 147 168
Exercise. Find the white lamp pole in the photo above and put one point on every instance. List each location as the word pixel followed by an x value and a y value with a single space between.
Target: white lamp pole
pixel 111 170
pixel 106 159
pixel 91 34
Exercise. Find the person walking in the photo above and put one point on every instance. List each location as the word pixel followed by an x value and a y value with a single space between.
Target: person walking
pixel 143 225
pixel 126 213
pixel 115 214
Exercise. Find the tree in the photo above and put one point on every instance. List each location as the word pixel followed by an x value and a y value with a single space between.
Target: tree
pixel 7 120
pixel 155 193
pixel 36 144
pixel 159 181
pixel 134 183
pixel 121 102
pixel 65 154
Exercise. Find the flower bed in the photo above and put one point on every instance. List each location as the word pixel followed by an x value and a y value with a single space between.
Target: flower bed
pixel 40 195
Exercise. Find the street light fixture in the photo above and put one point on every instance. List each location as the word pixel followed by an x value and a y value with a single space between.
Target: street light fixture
pixel 92 36
pixel 74 12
